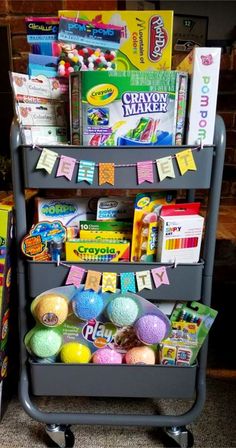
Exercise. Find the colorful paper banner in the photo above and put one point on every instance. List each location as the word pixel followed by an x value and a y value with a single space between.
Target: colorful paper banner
pixel 143 280
pixel 75 276
pixel 160 276
pixel 109 281
pixel 47 160
pixel 86 171
pixel 145 171
pixel 127 282
pixel 66 167
pixel 93 280
pixel 185 161
pixel 106 173
pixel 165 167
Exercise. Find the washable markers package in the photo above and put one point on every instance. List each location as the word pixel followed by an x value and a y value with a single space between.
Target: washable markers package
pixel 131 108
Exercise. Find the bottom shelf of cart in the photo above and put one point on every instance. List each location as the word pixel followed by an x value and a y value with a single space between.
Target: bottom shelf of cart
pixel 93 380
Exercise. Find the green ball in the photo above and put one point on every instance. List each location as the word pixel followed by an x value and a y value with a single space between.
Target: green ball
pixel 45 342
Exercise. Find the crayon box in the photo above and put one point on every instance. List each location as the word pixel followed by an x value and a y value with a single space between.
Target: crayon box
pixel 131 108
pixel 146 42
pixel 97 250
pixel 180 233
pixel 203 95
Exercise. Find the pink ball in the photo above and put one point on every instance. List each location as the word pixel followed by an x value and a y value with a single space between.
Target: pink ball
pixel 140 355
pixel 151 329
pixel 107 356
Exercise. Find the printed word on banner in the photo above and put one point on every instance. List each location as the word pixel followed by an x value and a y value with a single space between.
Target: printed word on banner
pixel 127 282
pixel 145 171
pixel 143 280
pixel 106 173
pixel 160 276
pixel 185 161
pixel 93 280
pixel 66 167
pixel 75 276
pixel 47 160
pixel 165 167
pixel 86 171
pixel 109 281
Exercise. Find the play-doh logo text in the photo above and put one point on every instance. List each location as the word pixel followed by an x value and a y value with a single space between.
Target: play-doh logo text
pixel 102 94
pixel 158 38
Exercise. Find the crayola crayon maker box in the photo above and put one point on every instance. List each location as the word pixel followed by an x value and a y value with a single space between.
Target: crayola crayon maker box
pixel 146 39
pixel 132 108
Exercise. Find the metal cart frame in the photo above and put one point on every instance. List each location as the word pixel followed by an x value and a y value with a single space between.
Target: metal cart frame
pixel 58 422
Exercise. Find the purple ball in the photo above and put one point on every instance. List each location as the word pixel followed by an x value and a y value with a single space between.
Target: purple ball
pixel 107 356
pixel 150 329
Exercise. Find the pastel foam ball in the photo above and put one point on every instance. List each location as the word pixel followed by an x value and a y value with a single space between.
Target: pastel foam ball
pixel 75 353
pixel 45 342
pixel 87 304
pixel 122 311
pixel 52 310
pixel 140 355
pixel 107 356
pixel 150 329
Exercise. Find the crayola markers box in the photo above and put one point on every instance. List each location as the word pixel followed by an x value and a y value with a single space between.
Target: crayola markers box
pixel 146 39
pixel 132 108
pixel 97 250
pixel 180 233
pixel 203 95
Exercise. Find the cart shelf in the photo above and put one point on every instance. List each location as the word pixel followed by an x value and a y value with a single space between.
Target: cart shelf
pixel 125 177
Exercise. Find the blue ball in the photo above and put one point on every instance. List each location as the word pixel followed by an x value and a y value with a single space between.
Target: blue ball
pixel 122 311
pixel 87 304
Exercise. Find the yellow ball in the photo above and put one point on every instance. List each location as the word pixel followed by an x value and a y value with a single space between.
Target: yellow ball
pixel 75 353
pixel 52 310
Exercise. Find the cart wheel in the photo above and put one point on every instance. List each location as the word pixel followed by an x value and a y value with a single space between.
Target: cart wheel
pixel 60 436
pixel 179 437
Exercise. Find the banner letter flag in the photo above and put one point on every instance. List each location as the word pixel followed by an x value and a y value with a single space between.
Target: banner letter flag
pixel 93 280
pixel 66 167
pixel 127 282
pixel 160 276
pixel 47 160
pixel 86 171
pixel 185 161
pixel 106 173
pixel 109 281
pixel 143 280
pixel 165 167
pixel 75 276
pixel 145 171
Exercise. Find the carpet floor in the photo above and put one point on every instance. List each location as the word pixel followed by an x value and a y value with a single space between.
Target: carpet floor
pixel 216 426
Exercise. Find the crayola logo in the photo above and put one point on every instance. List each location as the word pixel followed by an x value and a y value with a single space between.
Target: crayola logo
pixel 102 94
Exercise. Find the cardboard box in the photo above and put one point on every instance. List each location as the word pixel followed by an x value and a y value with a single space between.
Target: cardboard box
pixel 180 233
pixel 189 31
pixel 203 95
pixel 132 108
pixel 97 250
pixel 6 234
pixel 146 42
pixel 69 211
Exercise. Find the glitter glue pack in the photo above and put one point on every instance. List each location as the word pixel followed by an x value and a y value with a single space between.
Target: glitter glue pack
pixel 131 108
pixel 146 36
pixel 78 325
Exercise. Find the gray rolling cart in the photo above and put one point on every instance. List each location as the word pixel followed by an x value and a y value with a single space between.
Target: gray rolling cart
pixel 187 282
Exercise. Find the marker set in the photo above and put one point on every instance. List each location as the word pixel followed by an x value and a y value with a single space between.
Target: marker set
pixel 181 243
